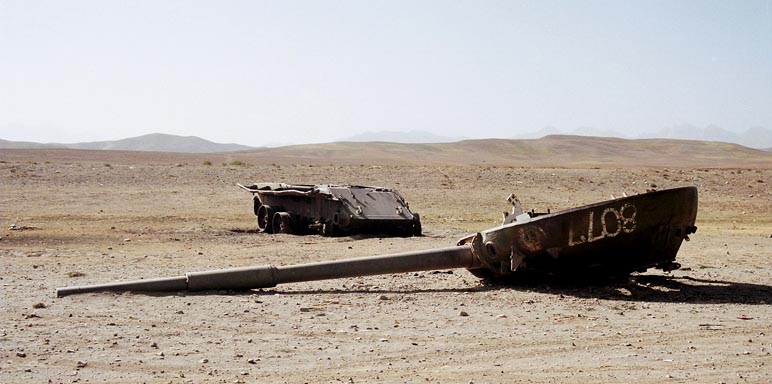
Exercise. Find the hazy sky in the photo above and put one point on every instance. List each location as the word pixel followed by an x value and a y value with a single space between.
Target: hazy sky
pixel 257 72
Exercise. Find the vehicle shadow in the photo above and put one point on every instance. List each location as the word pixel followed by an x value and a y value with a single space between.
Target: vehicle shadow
pixel 657 288
pixel 639 288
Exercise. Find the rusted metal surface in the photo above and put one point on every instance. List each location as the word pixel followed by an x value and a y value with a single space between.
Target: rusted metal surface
pixel 332 210
pixel 618 236
pixel 611 238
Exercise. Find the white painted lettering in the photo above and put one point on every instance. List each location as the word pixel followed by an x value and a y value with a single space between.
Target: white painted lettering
pixel 619 220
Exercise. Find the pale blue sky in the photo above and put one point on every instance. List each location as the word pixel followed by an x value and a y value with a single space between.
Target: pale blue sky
pixel 257 72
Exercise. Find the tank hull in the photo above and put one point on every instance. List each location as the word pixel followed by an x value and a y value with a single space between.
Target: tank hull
pixel 332 210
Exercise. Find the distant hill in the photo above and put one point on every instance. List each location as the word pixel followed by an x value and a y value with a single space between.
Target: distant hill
pixel 755 137
pixel 552 150
pixel 402 137
pixel 24 144
pixel 157 142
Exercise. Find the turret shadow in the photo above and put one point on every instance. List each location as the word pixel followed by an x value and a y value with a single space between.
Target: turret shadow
pixel 653 288
pixel 636 288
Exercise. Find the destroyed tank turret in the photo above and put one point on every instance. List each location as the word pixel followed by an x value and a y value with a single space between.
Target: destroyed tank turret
pixel 612 238
pixel 332 210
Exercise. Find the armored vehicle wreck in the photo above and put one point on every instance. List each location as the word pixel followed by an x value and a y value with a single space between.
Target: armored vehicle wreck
pixel 332 210
pixel 610 238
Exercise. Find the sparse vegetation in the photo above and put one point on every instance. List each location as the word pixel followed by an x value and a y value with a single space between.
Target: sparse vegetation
pixel 237 163
pixel 207 163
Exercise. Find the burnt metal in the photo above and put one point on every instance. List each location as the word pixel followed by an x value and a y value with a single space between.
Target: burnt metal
pixel 610 238
pixel 332 210
pixel 618 236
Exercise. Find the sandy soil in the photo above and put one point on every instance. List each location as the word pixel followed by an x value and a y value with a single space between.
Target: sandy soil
pixel 80 222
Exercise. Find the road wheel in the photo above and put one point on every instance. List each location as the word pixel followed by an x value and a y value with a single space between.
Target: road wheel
pixel 264 217
pixel 282 222
pixel 256 204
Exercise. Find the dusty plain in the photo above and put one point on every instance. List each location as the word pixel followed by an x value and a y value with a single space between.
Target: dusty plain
pixel 76 217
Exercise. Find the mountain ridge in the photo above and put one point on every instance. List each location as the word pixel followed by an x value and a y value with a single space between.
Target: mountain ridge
pixel 562 151
pixel 551 150
pixel 754 137
pixel 155 142
pixel 410 137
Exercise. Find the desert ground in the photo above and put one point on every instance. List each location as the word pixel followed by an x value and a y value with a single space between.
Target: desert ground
pixel 81 217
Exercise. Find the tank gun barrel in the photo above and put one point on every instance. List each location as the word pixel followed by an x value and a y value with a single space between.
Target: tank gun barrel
pixel 269 276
